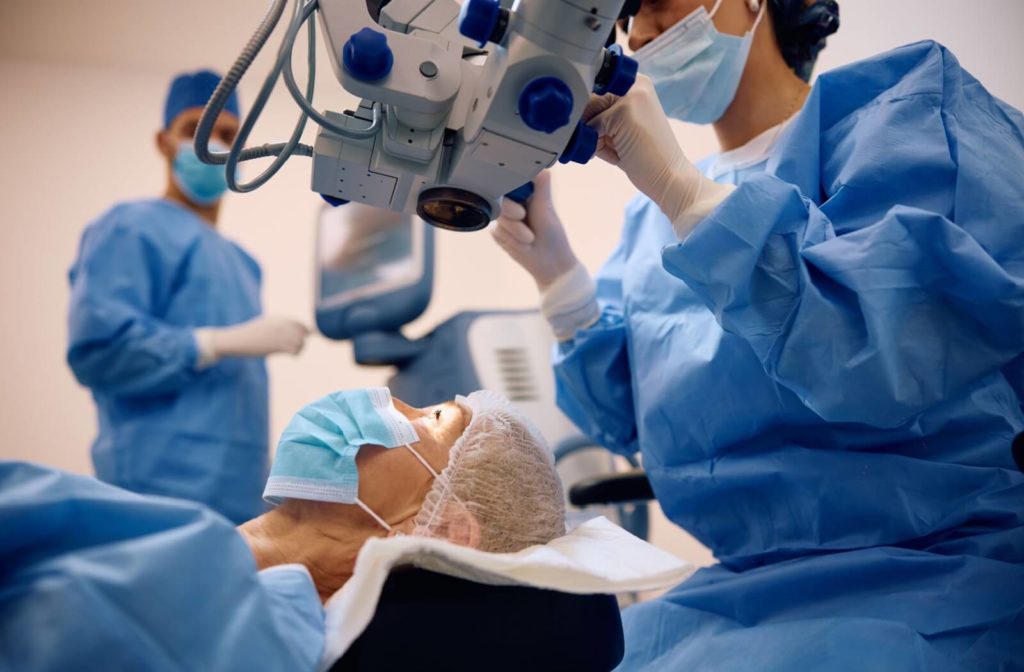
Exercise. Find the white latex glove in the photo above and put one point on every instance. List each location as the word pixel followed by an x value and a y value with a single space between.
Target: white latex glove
pixel 534 236
pixel 634 134
pixel 258 337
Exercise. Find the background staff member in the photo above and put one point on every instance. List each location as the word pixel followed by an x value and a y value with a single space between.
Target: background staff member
pixel 165 329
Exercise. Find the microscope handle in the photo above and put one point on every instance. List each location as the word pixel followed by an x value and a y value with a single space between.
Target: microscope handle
pixel 521 194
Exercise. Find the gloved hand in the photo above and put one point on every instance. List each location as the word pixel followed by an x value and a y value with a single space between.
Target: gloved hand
pixel 258 337
pixel 634 134
pixel 534 236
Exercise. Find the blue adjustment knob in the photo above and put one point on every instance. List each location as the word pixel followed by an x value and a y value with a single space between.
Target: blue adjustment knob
pixel 618 74
pixel 333 201
pixel 582 145
pixel 478 19
pixel 367 56
pixel 546 104
pixel 521 194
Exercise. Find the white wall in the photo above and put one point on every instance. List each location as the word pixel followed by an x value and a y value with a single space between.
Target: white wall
pixel 83 87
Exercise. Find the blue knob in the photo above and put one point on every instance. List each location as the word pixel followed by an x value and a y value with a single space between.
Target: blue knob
pixel 478 19
pixel 333 201
pixel 582 145
pixel 546 104
pixel 367 56
pixel 521 194
pixel 618 74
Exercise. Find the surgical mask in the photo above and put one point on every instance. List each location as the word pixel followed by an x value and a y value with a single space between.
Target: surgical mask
pixel 316 456
pixel 696 69
pixel 202 183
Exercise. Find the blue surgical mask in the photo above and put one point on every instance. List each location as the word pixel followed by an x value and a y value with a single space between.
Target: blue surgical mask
pixel 316 456
pixel 696 69
pixel 202 183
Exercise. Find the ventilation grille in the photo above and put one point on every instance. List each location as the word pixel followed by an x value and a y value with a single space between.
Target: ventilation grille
pixel 517 377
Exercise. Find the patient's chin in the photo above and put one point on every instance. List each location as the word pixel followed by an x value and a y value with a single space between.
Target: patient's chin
pixel 325 515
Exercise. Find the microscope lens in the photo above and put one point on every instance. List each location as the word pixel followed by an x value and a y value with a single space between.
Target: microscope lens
pixel 454 209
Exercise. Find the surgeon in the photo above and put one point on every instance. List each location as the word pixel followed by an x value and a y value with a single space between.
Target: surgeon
pixel 814 338
pixel 165 329
pixel 92 576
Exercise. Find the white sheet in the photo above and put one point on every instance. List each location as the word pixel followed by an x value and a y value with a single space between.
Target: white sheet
pixel 596 557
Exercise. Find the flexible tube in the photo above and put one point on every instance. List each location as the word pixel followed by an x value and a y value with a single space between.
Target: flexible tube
pixel 302 14
pixel 306 103
pixel 215 105
pixel 282 151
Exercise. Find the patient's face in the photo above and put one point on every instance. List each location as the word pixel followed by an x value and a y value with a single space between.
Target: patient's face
pixel 392 481
pixel 326 537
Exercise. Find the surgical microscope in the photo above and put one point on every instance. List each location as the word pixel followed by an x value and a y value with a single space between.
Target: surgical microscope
pixel 460 105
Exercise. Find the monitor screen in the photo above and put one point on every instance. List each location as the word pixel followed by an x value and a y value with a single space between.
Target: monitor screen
pixel 364 252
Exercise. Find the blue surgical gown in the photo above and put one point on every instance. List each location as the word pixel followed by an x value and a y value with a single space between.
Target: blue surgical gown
pixel 147 274
pixel 824 381
pixel 94 577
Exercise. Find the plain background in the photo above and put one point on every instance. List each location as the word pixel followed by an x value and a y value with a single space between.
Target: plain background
pixel 83 85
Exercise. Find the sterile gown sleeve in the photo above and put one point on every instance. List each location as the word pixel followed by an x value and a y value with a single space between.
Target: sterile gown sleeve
pixel 592 372
pixel 116 343
pixel 897 280
pixel 95 577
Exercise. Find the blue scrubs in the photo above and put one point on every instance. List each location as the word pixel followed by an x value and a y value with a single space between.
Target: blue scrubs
pixel 147 274
pixel 94 577
pixel 824 381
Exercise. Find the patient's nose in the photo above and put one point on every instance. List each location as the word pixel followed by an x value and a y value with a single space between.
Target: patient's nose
pixel 410 412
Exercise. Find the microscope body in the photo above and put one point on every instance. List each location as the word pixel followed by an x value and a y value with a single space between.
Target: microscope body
pixel 460 127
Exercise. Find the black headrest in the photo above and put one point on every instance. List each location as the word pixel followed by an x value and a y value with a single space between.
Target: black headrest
pixel 429 621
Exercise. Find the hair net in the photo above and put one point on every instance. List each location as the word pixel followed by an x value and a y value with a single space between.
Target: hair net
pixel 193 89
pixel 501 471
pixel 802 27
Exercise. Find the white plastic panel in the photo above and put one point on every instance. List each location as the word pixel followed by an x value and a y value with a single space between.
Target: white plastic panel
pixel 512 355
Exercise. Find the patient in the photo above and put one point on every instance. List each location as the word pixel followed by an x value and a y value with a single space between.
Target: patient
pixel 472 471
pixel 91 572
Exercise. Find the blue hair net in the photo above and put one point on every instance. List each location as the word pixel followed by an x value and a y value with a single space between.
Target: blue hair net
pixel 193 89
pixel 802 28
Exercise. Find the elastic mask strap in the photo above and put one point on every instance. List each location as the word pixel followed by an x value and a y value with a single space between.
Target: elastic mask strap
pixel 373 515
pixel 433 473
pixel 370 512
pixel 446 486
pixel 422 461
pixel 760 15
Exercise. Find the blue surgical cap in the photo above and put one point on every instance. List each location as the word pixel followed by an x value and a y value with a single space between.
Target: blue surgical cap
pixel 193 89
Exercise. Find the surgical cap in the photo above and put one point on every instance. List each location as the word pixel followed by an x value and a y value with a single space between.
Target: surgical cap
pixel 801 27
pixel 193 89
pixel 501 471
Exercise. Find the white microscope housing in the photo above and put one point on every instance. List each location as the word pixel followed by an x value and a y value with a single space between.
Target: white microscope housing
pixel 462 127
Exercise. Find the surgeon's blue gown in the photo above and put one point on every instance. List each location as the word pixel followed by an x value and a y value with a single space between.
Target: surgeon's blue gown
pixel 824 381
pixel 96 578
pixel 147 274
